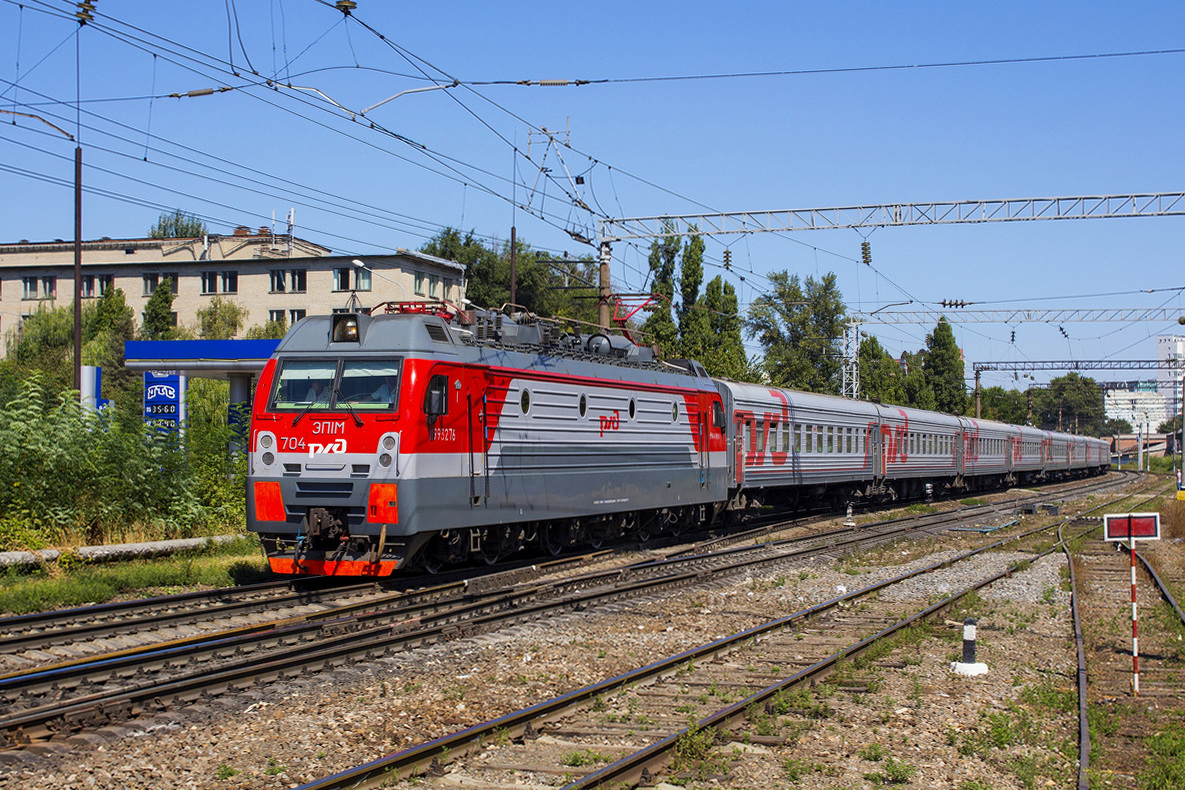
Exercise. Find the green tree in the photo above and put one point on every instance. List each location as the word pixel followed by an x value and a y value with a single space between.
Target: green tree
pixel 695 322
pixel 220 319
pixel 800 326
pixel 177 225
pixel 272 330
pixel 158 313
pixel 915 389
pixel 1001 405
pixel 1171 426
pixel 725 354
pixel 543 286
pixel 880 374
pixel 943 369
pixel 1114 426
pixel 1071 403
pixel 660 328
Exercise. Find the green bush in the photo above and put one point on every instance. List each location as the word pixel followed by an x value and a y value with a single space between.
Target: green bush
pixel 71 476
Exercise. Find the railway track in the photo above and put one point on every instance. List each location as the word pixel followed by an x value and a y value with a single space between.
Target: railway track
pixel 690 714
pixel 1104 577
pixel 74 696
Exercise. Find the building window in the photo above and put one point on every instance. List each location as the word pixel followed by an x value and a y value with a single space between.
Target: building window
pixel 29 287
pixel 150 283
pixel 420 283
pixel 49 287
pixel 86 288
pixel 278 284
pixel 106 283
pixel 433 282
pixel 174 281
pixel 298 280
pixel 295 315
pixel 230 282
pixel 341 279
pixel 362 280
pixel 275 315
pixel 209 282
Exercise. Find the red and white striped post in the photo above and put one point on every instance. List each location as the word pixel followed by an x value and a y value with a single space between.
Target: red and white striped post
pixel 1127 528
pixel 1135 623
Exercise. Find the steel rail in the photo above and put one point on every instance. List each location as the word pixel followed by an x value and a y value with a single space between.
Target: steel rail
pixel 374 631
pixel 358 638
pixel 420 758
pixel 631 767
pixel 1080 649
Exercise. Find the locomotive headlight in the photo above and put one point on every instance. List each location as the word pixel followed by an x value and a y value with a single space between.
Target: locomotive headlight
pixel 385 459
pixel 389 443
pixel 268 459
pixel 265 441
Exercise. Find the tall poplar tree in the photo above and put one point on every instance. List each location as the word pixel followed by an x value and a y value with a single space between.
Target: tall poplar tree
pixel 943 369
pixel 695 326
pixel 880 374
pixel 725 355
pixel 660 328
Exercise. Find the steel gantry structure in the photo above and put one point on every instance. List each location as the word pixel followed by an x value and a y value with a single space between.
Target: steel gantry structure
pixel 1031 366
pixel 1158 204
pixel 851 339
pixel 1151 204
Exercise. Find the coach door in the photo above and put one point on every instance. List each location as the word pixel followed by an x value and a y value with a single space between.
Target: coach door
pixel 875 451
pixel 477 408
pixel 700 425
pixel 741 438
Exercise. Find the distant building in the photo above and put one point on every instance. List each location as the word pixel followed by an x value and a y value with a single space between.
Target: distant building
pixel 273 277
pixel 1140 405
pixel 1168 381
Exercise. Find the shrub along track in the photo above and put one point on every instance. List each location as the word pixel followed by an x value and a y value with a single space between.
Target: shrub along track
pixel 1128 728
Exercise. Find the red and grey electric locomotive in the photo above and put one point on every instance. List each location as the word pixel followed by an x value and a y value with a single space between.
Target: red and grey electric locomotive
pixel 426 436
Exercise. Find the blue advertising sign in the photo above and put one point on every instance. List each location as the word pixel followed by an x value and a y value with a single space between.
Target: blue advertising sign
pixel 162 396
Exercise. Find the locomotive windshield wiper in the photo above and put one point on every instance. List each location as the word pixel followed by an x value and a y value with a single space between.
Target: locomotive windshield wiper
pixel 342 400
pixel 312 403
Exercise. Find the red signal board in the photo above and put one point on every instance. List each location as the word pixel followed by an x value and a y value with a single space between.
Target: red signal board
pixel 1126 526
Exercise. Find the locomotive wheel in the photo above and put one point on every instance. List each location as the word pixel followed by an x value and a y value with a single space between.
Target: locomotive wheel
pixel 495 544
pixel 432 561
pixel 552 539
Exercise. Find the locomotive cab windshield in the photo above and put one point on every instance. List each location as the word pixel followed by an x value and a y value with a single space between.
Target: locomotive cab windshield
pixel 323 385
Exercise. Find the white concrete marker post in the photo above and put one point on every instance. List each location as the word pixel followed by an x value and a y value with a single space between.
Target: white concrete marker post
pixel 968 667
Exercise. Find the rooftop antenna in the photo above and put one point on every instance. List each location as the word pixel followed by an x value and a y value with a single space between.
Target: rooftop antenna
pixel 291 228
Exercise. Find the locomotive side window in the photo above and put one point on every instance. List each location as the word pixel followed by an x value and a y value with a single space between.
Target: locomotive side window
pixel 436 398
pixel 633 408
pixel 304 384
pixel 524 401
pixel 717 416
pixel 369 384
pixel 675 412
pixel 583 405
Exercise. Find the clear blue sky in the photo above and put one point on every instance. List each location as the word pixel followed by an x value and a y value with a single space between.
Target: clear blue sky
pixel 851 137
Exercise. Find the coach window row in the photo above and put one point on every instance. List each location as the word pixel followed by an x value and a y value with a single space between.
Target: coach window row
pixel 977 445
pixel 916 443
